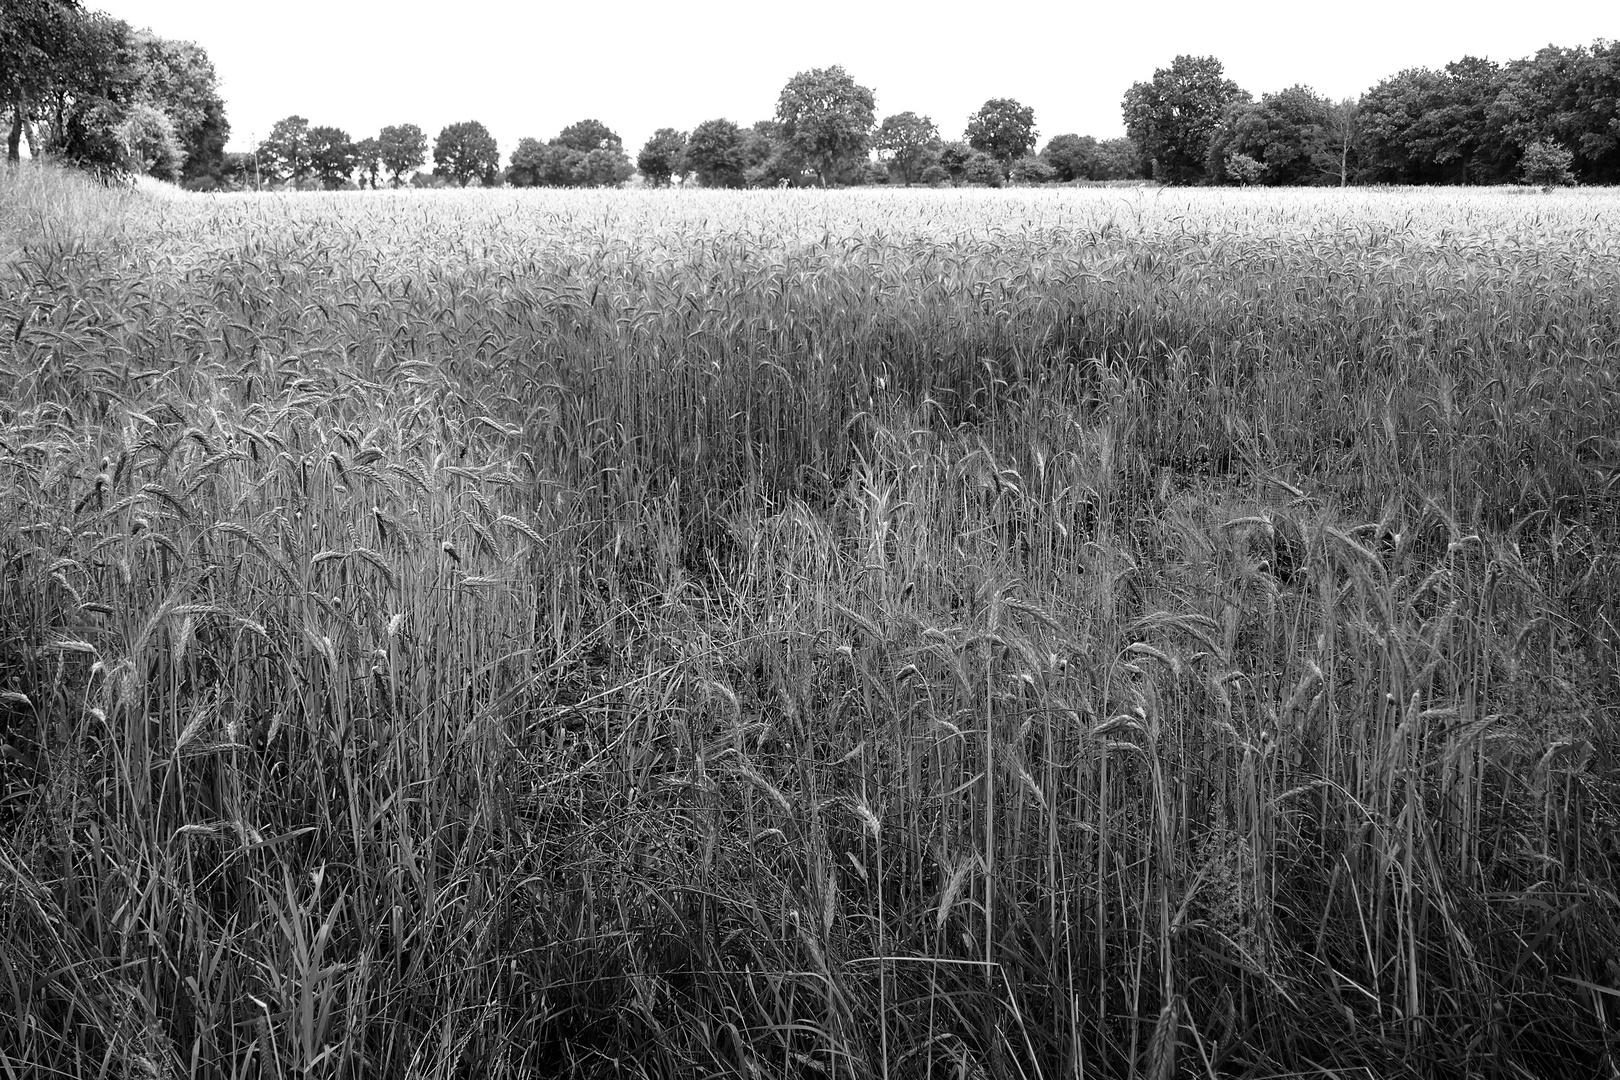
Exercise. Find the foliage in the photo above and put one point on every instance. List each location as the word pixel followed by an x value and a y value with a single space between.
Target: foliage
pixel 1292 134
pixel 1429 127
pixel 953 158
pixel 367 160
pixel 1082 157
pixel 936 175
pixel 663 157
pixel 150 142
pixel 588 135
pixel 1570 96
pixel 909 143
pixel 284 154
pixel 465 152
pixel 37 53
pixel 1030 169
pixel 769 160
pixel 827 117
pixel 1548 164
pixel 983 170
pixel 585 154
pixel 1173 116
pixel 331 156
pixel 401 147
pixel 1240 168
pixel 1002 128
pixel 714 154
pixel 177 78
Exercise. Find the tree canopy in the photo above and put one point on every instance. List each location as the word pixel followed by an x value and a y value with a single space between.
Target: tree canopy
pixel 465 152
pixel 1002 128
pixel 714 152
pixel 662 157
pixel 827 117
pixel 1173 116
pixel 910 143
pixel 402 147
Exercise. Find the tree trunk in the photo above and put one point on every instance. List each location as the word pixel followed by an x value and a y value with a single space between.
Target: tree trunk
pixel 14 140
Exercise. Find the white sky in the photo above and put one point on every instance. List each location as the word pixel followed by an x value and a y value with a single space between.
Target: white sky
pixel 532 68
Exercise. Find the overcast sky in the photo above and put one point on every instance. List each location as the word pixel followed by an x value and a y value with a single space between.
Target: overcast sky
pixel 532 68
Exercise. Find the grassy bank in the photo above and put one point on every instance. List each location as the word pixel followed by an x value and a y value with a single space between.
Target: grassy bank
pixel 858 634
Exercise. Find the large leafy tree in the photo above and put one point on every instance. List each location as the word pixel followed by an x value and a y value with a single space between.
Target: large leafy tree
pixel 177 78
pixel 368 161
pixel 1173 116
pixel 331 156
pixel 588 135
pixel 402 147
pixel 86 88
pixel 1437 127
pixel 770 160
pixel 36 40
pixel 1290 133
pixel 465 152
pixel 714 152
pixel 910 143
pixel 1569 97
pixel 662 157
pixel 1002 128
pixel 827 117
pixel 284 154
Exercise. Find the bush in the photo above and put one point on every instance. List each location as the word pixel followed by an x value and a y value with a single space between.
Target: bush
pixel 983 170
pixel 1548 164
pixel 1244 169
pixel 1030 169
pixel 936 176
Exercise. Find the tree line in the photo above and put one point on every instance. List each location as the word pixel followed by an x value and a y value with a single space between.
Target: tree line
pixel 88 89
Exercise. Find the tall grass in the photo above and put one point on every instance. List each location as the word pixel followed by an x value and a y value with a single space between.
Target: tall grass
pixel 919 634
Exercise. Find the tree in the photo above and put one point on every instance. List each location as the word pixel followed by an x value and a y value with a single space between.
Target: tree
pixel 953 158
pixel 827 117
pixel 1289 133
pixel 1030 169
pixel 76 101
pixel 1172 117
pixel 911 143
pixel 1003 129
pixel 178 79
pixel 1072 157
pixel 662 158
pixel 284 153
pixel 1565 96
pixel 529 162
pixel 769 160
pixel 982 170
pixel 714 151
pixel 1119 159
pixel 603 167
pixel 151 143
pixel 588 135
pixel 1343 129
pixel 465 152
pixel 401 147
pixel 368 161
pixel 1244 169
pixel 331 156
pixel 1548 164
pixel 36 37
pixel 1438 127
pixel 1081 157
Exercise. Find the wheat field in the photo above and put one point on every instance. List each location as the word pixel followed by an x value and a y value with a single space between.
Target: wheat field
pixel 953 634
